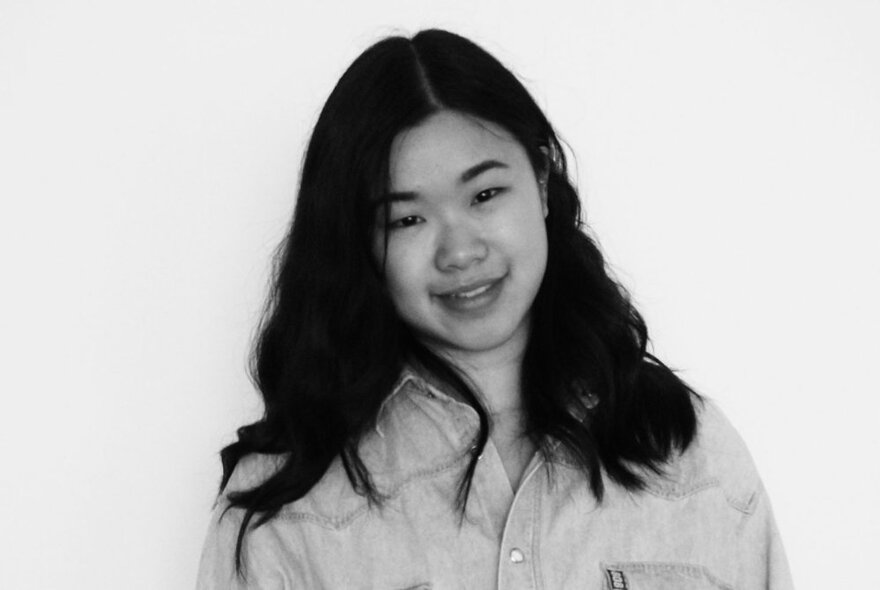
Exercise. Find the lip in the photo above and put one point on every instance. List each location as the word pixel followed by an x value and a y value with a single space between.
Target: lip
pixel 468 287
pixel 476 297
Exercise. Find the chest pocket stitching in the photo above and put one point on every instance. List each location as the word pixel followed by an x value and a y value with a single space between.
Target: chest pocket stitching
pixel 692 570
pixel 341 522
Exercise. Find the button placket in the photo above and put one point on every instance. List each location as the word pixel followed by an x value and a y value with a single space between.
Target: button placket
pixel 516 564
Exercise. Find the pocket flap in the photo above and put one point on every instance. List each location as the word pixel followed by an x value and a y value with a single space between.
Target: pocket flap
pixel 660 576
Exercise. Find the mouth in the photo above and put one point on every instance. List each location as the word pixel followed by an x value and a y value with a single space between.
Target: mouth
pixel 469 293
pixel 473 296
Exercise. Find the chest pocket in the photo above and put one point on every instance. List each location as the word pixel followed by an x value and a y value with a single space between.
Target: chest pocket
pixel 659 576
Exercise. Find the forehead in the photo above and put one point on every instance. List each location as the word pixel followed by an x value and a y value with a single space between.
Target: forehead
pixel 444 145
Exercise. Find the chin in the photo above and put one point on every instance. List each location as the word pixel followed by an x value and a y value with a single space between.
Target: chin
pixel 477 340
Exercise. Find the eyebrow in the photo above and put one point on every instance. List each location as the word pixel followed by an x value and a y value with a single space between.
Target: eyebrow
pixel 475 171
pixel 466 176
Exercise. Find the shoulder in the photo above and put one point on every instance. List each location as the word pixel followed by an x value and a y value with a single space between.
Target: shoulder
pixel 331 503
pixel 252 471
pixel 261 554
pixel 717 457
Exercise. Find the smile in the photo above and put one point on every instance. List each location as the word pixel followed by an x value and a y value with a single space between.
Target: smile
pixel 475 297
pixel 472 293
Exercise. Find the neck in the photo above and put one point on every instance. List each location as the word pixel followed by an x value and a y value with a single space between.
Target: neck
pixel 498 378
pixel 496 373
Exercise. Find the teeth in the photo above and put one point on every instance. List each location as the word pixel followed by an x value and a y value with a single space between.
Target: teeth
pixel 474 293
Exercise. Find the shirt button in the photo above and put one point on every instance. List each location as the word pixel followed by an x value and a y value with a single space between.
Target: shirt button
pixel 516 556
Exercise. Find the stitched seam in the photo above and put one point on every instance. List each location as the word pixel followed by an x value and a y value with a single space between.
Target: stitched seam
pixel 746 507
pixel 689 569
pixel 406 377
pixel 536 524
pixel 677 493
pixel 346 519
pixel 426 474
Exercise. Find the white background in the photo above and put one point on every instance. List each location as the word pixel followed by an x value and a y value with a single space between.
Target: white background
pixel 728 157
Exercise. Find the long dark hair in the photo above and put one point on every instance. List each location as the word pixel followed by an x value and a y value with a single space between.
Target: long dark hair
pixel 331 345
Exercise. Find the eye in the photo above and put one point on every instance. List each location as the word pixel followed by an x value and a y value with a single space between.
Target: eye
pixel 408 221
pixel 488 194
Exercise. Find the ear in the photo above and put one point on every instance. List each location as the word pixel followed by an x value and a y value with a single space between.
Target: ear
pixel 543 178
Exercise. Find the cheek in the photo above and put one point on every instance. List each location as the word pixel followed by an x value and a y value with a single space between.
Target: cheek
pixel 529 247
pixel 403 277
pixel 525 233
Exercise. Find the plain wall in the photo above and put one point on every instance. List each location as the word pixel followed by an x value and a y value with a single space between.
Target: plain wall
pixel 727 154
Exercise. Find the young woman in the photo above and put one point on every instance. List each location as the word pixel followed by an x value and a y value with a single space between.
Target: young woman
pixel 457 395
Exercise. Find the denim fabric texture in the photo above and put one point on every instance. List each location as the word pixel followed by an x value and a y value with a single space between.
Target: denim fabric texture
pixel 706 523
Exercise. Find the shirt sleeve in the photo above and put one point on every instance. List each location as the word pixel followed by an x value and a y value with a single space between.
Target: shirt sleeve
pixel 217 565
pixel 261 562
pixel 761 563
pixel 764 564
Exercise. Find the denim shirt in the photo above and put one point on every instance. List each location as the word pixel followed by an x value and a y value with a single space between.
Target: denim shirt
pixel 706 523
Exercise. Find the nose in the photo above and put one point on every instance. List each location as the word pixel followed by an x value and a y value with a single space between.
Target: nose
pixel 460 244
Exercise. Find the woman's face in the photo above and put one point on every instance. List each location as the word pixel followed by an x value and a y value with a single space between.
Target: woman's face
pixel 466 241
